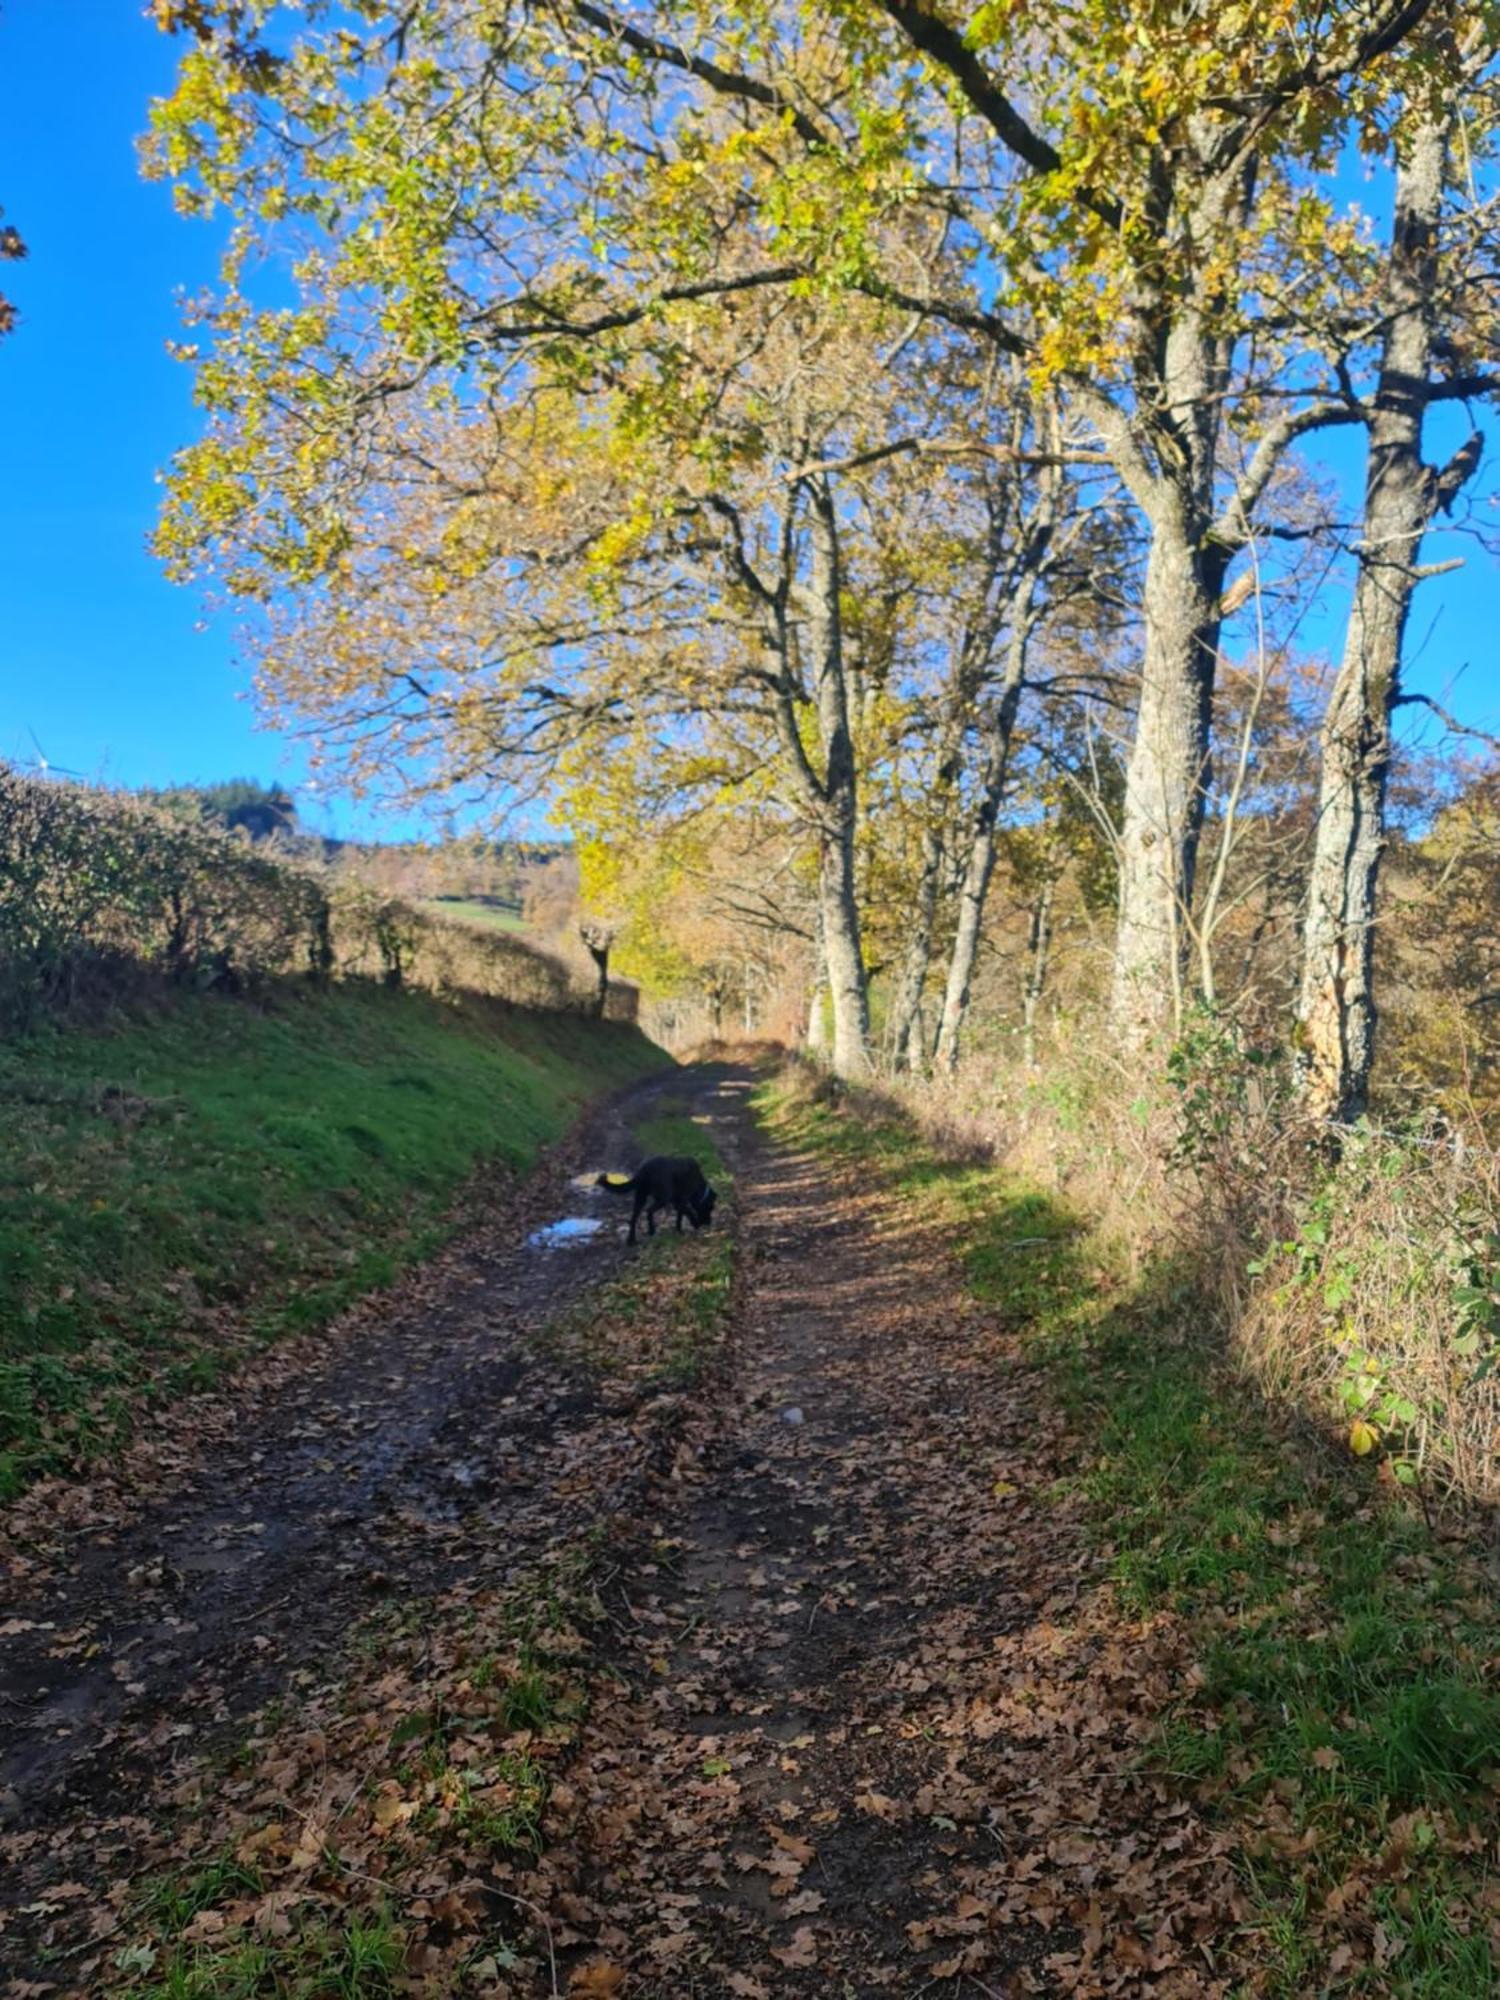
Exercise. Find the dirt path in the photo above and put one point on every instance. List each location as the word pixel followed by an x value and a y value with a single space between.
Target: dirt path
pixel 867 1721
pixel 358 1476
pixel 893 1725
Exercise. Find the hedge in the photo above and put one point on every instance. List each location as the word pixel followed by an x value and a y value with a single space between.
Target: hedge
pixel 101 894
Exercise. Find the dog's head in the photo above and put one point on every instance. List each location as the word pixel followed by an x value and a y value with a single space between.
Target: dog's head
pixel 702 1210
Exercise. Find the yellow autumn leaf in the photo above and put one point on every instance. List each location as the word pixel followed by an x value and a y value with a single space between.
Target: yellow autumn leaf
pixel 1362 1438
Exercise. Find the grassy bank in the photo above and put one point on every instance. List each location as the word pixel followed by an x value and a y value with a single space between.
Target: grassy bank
pixel 213 1174
pixel 1344 1717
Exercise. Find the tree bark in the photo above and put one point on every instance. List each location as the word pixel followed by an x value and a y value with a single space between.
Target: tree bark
pixel 816 1041
pixel 1337 1014
pixel 903 1042
pixel 838 899
pixel 1038 952
pixel 1167 774
pixel 980 867
pixel 1168 453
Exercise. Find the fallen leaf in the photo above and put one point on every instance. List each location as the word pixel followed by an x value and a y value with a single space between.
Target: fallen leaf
pixel 602 1977
pixel 803 1949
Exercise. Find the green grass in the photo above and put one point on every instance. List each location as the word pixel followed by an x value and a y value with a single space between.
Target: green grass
pixel 360 1959
pixel 487 916
pixel 1347 1652
pixel 515 1826
pixel 216 1174
pixel 673 1131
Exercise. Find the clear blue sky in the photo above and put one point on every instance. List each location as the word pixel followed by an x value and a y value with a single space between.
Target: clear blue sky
pixel 102 658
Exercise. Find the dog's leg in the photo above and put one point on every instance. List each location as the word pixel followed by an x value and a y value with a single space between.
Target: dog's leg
pixel 635 1215
pixel 651 1219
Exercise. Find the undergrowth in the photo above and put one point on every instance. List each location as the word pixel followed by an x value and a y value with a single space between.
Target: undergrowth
pixel 213 1175
pixel 1345 1718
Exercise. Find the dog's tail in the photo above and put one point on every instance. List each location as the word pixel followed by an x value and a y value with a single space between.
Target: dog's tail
pixel 616 1183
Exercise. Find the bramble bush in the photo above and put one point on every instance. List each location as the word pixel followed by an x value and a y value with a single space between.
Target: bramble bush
pixel 1359 1285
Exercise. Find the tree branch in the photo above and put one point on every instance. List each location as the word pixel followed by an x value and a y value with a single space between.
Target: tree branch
pixel 621 316
pixel 1460 388
pixel 1232 529
pixel 945 46
pixel 728 83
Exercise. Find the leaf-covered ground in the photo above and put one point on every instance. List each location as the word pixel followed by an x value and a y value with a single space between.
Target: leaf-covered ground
pixel 731 1618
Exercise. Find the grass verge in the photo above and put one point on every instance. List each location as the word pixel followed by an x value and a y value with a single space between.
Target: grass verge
pixel 1345 1718
pixel 215 1175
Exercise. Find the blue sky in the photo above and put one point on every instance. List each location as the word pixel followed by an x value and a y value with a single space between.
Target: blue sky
pixel 102 661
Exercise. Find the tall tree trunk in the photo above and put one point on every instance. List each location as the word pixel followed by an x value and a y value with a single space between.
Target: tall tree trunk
pixel 1336 1011
pixel 972 897
pixel 1167 774
pixel 980 867
pixel 903 1042
pixel 1038 952
pixel 817 1020
pixel 838 901
pixel 816 1040
pixel 906 1001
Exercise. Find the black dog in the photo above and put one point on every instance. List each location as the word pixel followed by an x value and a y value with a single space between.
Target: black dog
pixel 666 1183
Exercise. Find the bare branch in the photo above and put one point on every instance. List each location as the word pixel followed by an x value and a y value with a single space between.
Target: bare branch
pixel 728 83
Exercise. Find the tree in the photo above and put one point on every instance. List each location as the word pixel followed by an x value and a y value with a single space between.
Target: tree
pixel 1028 540
pixel 1159 183
pixel 598 935
pixel 691 606
pixel 495 198
pixel 237 803
pixel 1424 295
pixel 1437 950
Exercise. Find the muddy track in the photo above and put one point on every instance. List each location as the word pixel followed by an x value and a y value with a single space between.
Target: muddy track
pixel 338 1489
pixel 867 1719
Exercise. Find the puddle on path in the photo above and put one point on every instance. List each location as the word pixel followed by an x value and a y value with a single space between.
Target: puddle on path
pixel 558 1235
